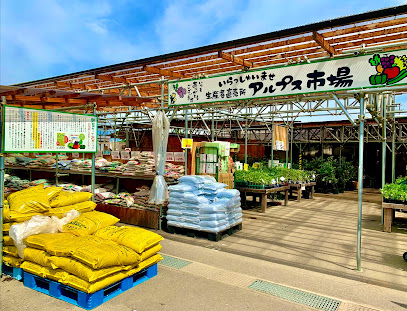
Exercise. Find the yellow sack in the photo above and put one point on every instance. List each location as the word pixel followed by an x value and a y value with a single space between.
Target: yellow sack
pixel 106 255
pixel 29 200
pixel 81 270
pixel 52 192
pixel 137 239
pixel 145 264
pixel 7 225
pixel 66 247
pixel 12 261
pixel 7 240
pixel 87 287
pixel 12 216
pixel 55 274
pixel 150 252
pixel 33 268
pixel 89 222
pixel 82 207
pixel 10 250
pixel 39 241
pixel 37 256
pixel 65 198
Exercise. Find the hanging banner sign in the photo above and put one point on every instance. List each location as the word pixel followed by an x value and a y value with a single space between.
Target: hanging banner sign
pixel 367 71
pixel 35 130
pixel 187 143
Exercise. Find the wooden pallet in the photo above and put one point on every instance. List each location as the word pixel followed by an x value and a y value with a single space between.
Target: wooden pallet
pixel 212 236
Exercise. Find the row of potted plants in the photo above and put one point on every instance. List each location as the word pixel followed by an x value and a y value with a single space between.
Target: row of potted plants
pixel 395 192
pixel 332 175
pixel 272 177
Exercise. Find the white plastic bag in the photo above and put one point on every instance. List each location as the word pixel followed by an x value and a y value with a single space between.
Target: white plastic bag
pixel 36 225
pixel 161 128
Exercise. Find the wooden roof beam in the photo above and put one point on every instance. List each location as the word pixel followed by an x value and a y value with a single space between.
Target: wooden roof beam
pixel 318 38
pixel 71 85
pixel 163 72
pixel 15 92
pixel 111 78
pixel 235 60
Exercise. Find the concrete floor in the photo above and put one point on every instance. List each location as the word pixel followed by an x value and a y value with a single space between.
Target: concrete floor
pixel 320 235
pixel 308 245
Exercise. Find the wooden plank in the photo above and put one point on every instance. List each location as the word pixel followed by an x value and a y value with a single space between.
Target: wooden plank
pixel 235 59
pixel 323 43
pixel 163 72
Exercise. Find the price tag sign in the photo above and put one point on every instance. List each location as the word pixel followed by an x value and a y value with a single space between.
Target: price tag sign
pixel 187 143
pixel 115 155
pixel 125 155
pixel 75 155
pixel 170 157
pixel 135 154
pixel 179 156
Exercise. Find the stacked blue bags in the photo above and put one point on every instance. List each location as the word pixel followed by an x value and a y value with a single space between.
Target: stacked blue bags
pixel 200 203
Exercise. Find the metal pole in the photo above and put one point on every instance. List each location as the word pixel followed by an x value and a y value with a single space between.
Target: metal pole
pixel 162 93
pixel 393 150
pixel 272 141
pixel 245 141
pixel 186 136
pixel 56 168
pixel 93 163
pixel 384 145
pixel 291 137
pixel 213 127
pixel 1 182
pixel 360 182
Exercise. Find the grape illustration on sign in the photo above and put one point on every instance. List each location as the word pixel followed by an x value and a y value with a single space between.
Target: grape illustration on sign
pixel 390 69
pixel 179 90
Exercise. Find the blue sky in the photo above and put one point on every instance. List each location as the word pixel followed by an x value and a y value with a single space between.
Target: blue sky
pixel 45 38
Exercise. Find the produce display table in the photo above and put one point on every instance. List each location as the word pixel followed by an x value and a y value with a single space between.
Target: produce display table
pixel 389 213
pixel 264 193
pixel 298 188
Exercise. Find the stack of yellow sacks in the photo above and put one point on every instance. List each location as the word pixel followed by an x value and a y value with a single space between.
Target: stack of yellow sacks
pixel 22 205
pixel 91 253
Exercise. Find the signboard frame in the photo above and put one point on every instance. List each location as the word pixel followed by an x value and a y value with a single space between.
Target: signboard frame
pixel 174 94
pixel 46 151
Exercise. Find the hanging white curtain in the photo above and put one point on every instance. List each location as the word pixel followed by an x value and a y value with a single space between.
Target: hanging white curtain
pixel 161 127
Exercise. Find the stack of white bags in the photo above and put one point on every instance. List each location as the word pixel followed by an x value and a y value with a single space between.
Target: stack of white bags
pixel 200 203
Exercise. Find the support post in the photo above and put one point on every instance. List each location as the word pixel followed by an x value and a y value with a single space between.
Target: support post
pixel 92 184
pixel 213 127
pixel 384 145
pixel 3 102
pixel 360 181
pixel 393 147
pixel 272 141
pixel 245 141
pixel 56 168
pixel 186 136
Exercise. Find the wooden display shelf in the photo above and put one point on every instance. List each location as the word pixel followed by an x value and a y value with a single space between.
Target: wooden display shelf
pixel 264 194
pixel 147 218
pixel 297 187
pixel 389 211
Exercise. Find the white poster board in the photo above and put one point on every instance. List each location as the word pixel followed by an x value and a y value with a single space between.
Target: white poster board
pixel 35 130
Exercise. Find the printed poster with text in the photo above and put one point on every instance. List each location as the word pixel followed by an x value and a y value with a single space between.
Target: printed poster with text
pixel 35 130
